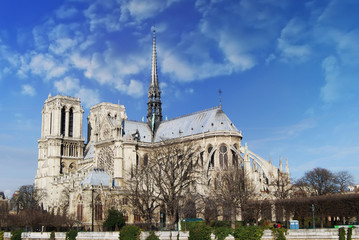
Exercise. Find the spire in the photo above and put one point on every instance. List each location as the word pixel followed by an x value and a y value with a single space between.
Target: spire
pixel 286 166
pixel 154 109
pixel 280 164
pixel 154 77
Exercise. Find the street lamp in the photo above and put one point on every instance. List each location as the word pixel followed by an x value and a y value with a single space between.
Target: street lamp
pixel 313 216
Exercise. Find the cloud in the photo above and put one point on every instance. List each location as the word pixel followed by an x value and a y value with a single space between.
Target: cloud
pixel 292 41
pixel 71 86
pixel 27 89
pixel 330 91
pixel 141 10
pixel 65 12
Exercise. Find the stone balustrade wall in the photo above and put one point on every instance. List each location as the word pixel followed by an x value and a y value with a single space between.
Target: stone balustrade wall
pixel 300 234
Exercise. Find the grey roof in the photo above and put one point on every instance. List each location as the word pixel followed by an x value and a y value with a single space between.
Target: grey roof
pixel 89 150
pixel 209 120
pixel 97 177
pixel 144 131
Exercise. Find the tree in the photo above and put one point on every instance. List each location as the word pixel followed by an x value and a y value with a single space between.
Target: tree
pixel 114 220
pixel 173 168
pixel 233 189
pixel 318 181
pixel 282 188
pixel 142 194
pixel 344 179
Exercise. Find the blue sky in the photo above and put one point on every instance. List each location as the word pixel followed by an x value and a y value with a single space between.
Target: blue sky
pixel 288 71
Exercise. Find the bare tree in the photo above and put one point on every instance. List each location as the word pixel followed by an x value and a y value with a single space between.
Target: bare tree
pixel 173 169
pixel 318 181
pixel 344 179
pixel 282 187
pixel 142 193
pixel 233 188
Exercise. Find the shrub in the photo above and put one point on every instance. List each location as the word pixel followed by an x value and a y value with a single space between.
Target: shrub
pixel 114 220
pixel 349 233
pixel 248 233
pixel 71 235
pixel 341 234
pixel 152 236
pixel 201 232
pixel 52 235
pixel 1 235
pixel 16 235
pixel 216 224
pixel 279 233
pixel 222 232
pixel 130 232
pixel 187 226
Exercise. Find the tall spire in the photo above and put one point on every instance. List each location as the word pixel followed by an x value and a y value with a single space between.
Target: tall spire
pixel 154 77
pixel 154 109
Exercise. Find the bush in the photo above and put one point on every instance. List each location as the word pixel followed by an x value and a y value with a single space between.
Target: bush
pixel 1 235
pixel 201 232
pixel 341 234
pixel 16 235
pixel 279 233
pixel 71 235
pixel 248 233
pixel 222 232
pixel 217 224
pixel 187 226
pixel 130 232
pixel 114 219
pixel 52 235
pixel 152 236
pixel 350 233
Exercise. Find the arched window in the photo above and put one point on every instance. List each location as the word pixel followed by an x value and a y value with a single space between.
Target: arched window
pixel 71 122
pixel 211 162
pixel 79 209
pixel 137 160
pixel 223 157
pixel 63 116
pixel 98 208
pixel 145 160
pixel 234 158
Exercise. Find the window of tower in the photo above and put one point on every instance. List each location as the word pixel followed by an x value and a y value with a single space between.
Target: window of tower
pixel 63 119
pixel 145 160
pixel 98 208
pixel 211 162
pixel 79 209
pixel 50 123
pixel 223 157
pixel 71 122
pixel 234 159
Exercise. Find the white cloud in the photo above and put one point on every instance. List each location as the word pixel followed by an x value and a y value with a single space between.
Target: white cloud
pixel 291 42
pixel 141 10
pixel 67 86
pixel 45 65
pixel 71 86
pixel 89 97
pixel 330 91
pixel 66 12
pixel 27 89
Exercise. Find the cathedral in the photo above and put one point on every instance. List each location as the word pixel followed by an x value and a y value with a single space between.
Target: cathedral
pixel 86 179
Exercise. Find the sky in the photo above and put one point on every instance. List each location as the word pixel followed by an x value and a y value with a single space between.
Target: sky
pixel 288 71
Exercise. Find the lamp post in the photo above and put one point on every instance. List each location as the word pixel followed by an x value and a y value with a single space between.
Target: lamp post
pixel 313 216
pixel 92 217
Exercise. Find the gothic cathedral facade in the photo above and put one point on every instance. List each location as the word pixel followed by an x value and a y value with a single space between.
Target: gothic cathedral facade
pixel 85 179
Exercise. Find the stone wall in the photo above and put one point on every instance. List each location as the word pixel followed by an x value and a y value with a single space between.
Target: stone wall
pixel 300 234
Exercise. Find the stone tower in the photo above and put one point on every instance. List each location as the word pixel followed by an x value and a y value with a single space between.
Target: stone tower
pixel 61 144
pixel 154 109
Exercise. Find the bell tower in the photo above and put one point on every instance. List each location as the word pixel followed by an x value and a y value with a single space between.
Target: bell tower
pixel 154 108
pixel 61 144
